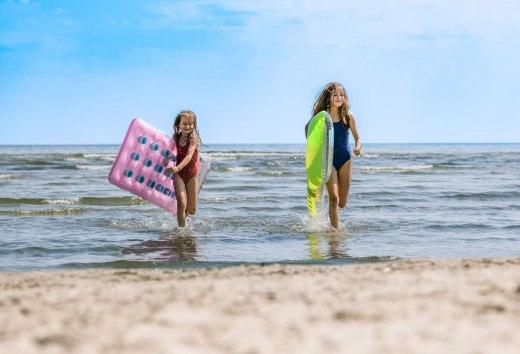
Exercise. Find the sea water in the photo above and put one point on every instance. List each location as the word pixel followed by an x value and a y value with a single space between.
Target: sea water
pixel 58 210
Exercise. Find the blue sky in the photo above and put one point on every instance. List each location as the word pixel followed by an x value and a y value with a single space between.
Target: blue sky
pixel 415 71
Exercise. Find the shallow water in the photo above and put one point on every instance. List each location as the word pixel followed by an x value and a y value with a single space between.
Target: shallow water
pixel 57 209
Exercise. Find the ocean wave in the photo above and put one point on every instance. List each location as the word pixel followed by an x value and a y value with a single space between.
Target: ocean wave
pixel 109 201
pixel 75 160
pixel 459 226
pixel 234 198
pixel 273 173
pixel 512 227
pixel 491 195
pixel 370 156
pixel 237 169
pixel 7 176
pixel 98 156
pixel 164 223
pixel 86 159
pixel 267 173
pixel 52 159
pixel 46 212
pixel 395 168
pixel 113 201
pixel 215 159
pixel 92 167
pixel 33 201
pixel 34 162
pixel 64 249
pixel 62 201
pixel 127 265
pixel 150 264
pixel 232 155
pixel 87 156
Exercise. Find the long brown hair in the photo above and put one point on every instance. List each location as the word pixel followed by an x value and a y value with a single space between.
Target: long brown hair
pixel 323 102
pixel 176 126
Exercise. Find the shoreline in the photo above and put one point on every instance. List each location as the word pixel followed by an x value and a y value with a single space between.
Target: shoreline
pixel 401 306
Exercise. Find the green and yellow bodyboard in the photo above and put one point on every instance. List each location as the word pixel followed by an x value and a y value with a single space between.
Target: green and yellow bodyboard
pixel 318 158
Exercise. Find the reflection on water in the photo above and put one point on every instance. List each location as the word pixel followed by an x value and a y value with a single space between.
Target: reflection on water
pixel 327 246
pixel 169 248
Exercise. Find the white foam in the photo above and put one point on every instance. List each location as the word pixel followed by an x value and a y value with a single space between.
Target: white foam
pixel 62 211
pixel 93 168
pixel 85 157
pixel 213 158
pixel 138 200
pixel 234 198
pixel 239 169
pixel 63 201
pixel 235 155
pixel 7 176
pixel 101 156
pixel 318 224
pixel 394 168
pixel 162 223
pixel 370 156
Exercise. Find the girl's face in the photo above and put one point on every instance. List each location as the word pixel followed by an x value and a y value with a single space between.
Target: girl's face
pixel 338 97
pixel 186 125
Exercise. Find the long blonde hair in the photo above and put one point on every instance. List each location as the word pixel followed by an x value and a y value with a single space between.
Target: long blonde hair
pixel 323 102
pixel 176 125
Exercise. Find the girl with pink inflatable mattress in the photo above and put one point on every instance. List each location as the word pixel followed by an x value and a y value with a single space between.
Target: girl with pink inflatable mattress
pixel 186 137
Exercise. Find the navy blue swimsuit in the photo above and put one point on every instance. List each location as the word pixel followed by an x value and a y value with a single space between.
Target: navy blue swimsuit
pixel 341 146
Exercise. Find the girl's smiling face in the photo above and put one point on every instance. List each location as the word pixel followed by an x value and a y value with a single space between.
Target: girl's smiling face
pixel 186 125
pixel 338 97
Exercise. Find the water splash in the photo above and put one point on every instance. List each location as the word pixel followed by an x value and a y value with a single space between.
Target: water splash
pixel 319 223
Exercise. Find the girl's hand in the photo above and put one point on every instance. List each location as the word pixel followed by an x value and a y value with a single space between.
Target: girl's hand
pixel 353 129
pixel 194 139
pixel 172 170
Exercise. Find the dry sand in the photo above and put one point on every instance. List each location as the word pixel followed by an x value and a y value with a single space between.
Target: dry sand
pixel 411 306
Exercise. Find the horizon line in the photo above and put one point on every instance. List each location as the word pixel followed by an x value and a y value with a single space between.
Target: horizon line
pixel 207 144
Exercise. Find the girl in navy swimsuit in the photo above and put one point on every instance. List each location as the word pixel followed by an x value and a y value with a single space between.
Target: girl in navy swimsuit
pixel 334 100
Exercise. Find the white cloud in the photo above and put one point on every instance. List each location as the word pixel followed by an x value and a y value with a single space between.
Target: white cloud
pixel 373 19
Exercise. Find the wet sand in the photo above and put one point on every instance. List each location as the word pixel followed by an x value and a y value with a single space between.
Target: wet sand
pixel 408 306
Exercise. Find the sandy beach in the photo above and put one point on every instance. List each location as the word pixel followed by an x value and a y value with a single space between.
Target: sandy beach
pixel 408 306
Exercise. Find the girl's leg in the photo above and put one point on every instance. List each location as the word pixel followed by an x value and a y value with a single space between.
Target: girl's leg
pixel 344 177
pixel 192 189
pixel 332 189
pixel 180 192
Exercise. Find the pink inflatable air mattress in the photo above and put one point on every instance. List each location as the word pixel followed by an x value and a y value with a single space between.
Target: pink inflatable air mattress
pixel 141 163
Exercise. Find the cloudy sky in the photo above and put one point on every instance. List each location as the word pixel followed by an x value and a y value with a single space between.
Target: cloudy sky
pixel 415 71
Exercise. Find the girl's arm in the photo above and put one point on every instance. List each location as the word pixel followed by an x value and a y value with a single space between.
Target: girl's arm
pixel 194 145
pixel 355 134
